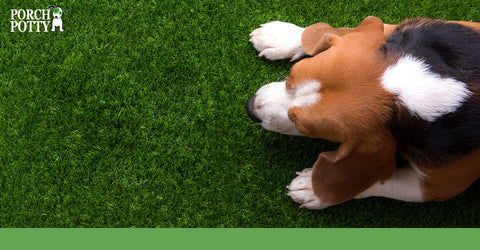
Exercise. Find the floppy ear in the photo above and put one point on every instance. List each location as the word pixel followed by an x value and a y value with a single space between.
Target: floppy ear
pixel 372 23
pixel 319 37
pixel 365 156
pixel 341 175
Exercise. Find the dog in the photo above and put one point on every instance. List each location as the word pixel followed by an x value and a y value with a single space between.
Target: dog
pixel 57 17
pixel 379 90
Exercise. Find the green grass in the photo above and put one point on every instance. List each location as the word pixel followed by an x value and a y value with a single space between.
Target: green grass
pixel 134 117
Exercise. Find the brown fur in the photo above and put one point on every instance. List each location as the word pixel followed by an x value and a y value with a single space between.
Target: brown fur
pixel 352 111
pixel 444 182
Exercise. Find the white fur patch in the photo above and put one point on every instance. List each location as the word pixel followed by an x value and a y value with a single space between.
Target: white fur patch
pixel 301 191
pixel 278 40
pixel 273 101
pixel 424 93
pixel 405 185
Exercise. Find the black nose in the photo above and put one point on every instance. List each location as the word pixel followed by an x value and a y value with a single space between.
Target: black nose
pixel 250 108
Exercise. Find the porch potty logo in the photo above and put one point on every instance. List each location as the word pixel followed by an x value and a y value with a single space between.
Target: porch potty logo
pixel 38 20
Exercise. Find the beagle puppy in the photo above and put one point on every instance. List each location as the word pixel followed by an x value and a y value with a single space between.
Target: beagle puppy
pixel 377 90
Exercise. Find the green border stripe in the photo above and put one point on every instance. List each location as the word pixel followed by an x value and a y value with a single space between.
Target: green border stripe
pixel 237 238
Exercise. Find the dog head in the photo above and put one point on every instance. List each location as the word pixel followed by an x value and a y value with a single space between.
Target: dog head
pixel 57 12
pixel 336 95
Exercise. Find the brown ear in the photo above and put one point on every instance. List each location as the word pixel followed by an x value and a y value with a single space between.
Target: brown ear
pixel 341 175
pixel 373 23
pixel 365 156
pixel 317 38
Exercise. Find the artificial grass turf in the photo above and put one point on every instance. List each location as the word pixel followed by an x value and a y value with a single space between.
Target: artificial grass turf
pixel 134 117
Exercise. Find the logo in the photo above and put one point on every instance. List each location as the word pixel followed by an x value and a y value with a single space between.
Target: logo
pixel 39 20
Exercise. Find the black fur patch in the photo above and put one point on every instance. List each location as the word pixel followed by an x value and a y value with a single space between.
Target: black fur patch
pixel 451 50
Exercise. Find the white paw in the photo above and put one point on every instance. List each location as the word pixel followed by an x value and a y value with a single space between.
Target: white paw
pixel 301 191
pixel 278 40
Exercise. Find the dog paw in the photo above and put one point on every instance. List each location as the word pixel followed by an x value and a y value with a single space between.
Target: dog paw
pixel 301 191
pixel 278 40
